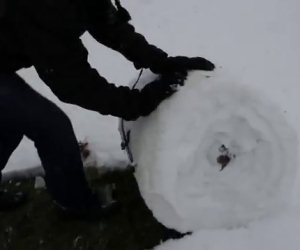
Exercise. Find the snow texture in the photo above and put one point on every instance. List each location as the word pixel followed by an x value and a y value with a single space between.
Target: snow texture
pixel 39 183
pixel 214 123
pixel 276 234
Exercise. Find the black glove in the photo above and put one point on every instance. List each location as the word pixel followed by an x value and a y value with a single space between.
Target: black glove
pixel 182 64
pixel 157 91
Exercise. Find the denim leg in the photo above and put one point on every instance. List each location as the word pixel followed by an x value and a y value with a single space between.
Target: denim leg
pixel 52 132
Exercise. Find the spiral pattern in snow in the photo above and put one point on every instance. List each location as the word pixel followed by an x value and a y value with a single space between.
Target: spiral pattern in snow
pixel 215 155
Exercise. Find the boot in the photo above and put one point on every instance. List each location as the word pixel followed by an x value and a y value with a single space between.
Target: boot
pixel 11 201
pixel 101 205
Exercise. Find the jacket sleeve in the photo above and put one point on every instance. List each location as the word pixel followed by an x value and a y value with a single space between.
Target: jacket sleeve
pixel 111 30
pixel 61 62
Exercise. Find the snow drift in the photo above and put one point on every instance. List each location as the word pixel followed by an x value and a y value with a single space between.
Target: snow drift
pixel 216 154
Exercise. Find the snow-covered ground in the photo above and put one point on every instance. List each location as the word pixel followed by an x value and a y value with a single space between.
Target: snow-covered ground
pixel 256 41
pixel 276 234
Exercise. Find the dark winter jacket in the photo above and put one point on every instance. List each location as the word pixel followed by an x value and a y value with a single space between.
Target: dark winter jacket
pixel 46 34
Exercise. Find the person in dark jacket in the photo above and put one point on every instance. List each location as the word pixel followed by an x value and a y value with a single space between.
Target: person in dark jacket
pixel 46 34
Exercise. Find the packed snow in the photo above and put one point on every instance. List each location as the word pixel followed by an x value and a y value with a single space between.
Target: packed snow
pixel 256 41
pixel 269 234
pixel 217 154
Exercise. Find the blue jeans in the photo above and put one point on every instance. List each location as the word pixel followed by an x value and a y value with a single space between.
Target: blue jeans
pixel 25 112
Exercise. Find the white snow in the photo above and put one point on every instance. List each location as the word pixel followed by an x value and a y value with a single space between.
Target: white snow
pixel 39 183
pixel 176 150
pixel 256 41
pixel 276 234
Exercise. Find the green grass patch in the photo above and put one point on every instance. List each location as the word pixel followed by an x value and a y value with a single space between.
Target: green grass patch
pixel 37 226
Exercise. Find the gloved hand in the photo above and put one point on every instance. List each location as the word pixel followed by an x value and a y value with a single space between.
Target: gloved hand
pixel 182 64
pixel 157 91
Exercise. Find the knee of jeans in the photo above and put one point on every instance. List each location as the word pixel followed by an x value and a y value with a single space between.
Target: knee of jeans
pixel 54 125
pixel 57 119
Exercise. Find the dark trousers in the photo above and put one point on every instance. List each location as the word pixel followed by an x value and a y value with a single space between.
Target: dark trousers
pixel 25 112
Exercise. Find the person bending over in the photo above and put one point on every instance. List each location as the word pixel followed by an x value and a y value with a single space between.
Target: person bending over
pixel 46 34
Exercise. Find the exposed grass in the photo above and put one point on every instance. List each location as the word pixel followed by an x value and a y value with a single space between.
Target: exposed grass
pixel 36 226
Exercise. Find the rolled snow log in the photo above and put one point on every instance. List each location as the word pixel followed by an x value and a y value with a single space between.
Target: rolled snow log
pixel 216 154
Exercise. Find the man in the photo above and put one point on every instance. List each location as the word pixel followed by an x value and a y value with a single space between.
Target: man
pixel 46 34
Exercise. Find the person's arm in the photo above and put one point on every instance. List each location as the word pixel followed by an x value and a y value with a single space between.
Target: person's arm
pixel 108 28
pixel 61 61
